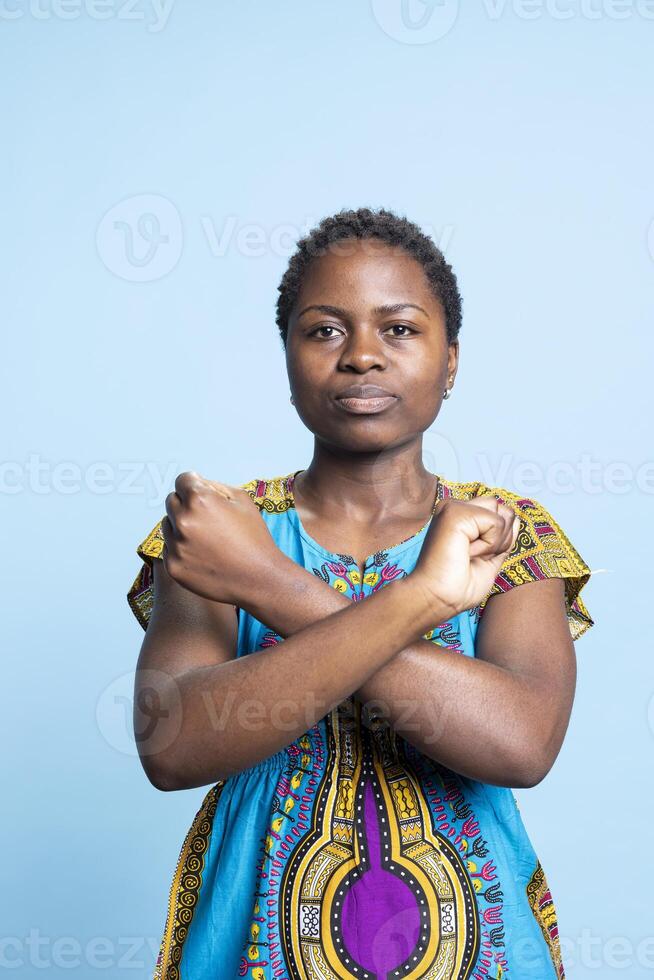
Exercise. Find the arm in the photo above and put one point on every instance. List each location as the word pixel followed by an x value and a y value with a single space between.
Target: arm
pixel 211 534
pixel 218 714
pixel 499 717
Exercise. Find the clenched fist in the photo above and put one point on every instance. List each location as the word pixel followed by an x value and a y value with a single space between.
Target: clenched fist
pixel 464 549
pixel 215 539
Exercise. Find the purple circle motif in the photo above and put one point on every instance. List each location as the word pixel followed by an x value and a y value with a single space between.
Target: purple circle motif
pixel 380 915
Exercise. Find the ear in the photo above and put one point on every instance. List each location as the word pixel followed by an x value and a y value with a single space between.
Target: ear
pixel 452 359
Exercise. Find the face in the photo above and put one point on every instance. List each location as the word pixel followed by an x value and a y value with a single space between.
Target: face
pixel 366 351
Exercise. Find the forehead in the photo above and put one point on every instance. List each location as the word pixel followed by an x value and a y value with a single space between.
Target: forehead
pixel 365 270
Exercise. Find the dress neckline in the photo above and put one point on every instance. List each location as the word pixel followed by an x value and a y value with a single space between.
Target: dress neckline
pixel 404 543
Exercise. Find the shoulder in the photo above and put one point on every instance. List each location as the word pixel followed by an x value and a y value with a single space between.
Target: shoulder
pixel 543 549
pixel 271 494
pixel 539 529
pixel 476 488
pixel 540 533
pixel 534 515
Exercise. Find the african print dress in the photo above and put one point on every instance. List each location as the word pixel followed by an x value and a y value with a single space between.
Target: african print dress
pixel 349 854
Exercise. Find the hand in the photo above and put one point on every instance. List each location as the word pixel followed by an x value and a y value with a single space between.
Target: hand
pixel 216 542
pixel 464 549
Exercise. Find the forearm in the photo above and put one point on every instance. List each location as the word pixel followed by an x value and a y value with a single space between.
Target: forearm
pixel 472 716
pixel 232 715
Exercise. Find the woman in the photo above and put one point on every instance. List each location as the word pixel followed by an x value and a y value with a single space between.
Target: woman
pixel 361 823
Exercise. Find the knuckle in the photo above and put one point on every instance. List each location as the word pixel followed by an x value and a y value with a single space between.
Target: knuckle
pixel 187 480
pixel 488 499
pixel 183 525
pixel 448 510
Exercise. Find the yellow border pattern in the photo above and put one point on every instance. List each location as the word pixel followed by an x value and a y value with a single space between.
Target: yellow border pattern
pixel 542 905
pixel 185 887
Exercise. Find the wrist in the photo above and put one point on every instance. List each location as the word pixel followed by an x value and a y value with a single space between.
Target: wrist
pixel 254 587
pixel 431 607
pixel 259 594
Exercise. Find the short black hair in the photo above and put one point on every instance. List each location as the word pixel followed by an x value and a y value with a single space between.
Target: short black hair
pixel 367 223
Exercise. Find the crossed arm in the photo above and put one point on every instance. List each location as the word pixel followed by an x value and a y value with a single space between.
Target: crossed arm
pixel 499 717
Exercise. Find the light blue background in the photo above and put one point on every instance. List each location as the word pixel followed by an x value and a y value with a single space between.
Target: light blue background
pixel 522 138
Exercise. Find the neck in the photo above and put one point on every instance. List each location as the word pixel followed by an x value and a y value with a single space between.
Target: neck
pixel 367 487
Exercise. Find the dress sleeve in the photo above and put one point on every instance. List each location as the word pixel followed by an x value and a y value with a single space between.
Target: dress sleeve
pixel 140 596
pixel 543 550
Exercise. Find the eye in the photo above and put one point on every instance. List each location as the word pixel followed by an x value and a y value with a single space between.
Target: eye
pixel 325 326
pixel 402 326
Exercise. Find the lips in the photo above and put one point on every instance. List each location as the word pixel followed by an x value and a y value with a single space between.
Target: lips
pixel 365 391
pixel 365 399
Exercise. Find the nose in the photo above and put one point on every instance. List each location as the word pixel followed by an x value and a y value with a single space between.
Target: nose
pixel 364 350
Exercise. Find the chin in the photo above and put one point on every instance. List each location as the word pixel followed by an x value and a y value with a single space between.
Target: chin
pixel 364 441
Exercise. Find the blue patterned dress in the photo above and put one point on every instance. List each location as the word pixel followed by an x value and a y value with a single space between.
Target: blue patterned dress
pixel 349 854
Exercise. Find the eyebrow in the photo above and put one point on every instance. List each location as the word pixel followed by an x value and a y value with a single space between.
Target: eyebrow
pixel 381 310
